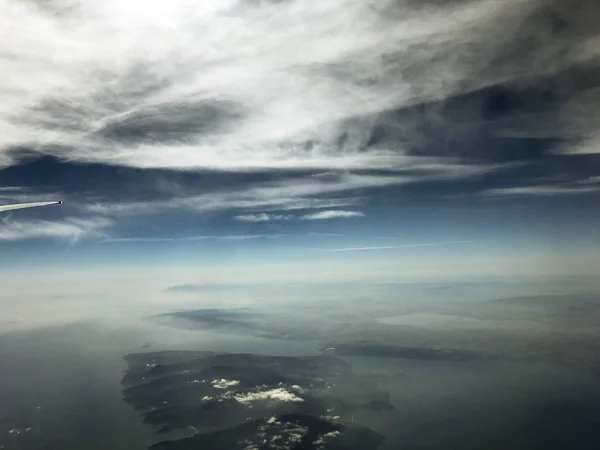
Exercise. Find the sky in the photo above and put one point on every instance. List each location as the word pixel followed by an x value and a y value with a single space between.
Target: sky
pixel 297 140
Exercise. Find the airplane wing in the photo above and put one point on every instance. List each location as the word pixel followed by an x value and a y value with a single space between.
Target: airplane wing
pixel 26 205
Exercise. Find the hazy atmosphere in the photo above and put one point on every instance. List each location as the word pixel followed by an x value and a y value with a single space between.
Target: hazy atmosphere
pixel 289 224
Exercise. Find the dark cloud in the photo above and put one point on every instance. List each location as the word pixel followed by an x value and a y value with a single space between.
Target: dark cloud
pixel 173 123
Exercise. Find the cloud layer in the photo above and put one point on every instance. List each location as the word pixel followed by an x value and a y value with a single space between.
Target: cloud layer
pixel 332 214
pixel 310 106
pixel 321 215
pixel 262 217
pixel 231 85
pixel 72 229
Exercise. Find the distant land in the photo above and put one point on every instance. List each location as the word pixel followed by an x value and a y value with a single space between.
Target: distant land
pixel 421 353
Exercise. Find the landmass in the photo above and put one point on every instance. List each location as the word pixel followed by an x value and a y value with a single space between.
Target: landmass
pixel 557 329
pixel 251 402
pixel 231 319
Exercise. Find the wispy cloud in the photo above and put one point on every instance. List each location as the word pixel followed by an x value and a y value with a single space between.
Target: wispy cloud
pixel 138 239
pixel 542 190
pixel 232 86
pixel 236 86
pixel 332 214
pixel 223 237
pixel 240 237
pixel 361 249
pixel 321 215
pixel 12 189
pixel 120 87
pixel 391 247
pixel 262 217
pixel 590 180
pixel 289 195
pixel 71 229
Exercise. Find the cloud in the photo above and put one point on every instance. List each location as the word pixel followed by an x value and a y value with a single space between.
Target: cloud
pixel 322 215
pixel 361 249
pixel 542 190
pixel 327 235
pixel 323 90
pixel 590 180
pixel 265 85
pixel 279 394
pixel 17 194
pixel 288 195
pixel 262 217
pixel 390 247
pixel 138 239
pixel 73 229
pixel 223 237
pixel 332 214
pixel 224 384
pixel 216 201
pixel 12 189
pixel 240 237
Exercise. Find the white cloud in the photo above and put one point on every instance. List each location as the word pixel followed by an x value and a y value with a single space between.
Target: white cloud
pixel 72 229
pixel 279 394
pixel 217 201
pixel 590 180
pixel 321 441
pixel 239 85
pixel 224 384
pixel 220 237
pixel 390 247
pixel 332 214
pixel 543 190
pixel 262 217
pixel 233 85
pixel 275 196
pixel 138 239
pixel 240 237
pixel 361 249
pixel 12 189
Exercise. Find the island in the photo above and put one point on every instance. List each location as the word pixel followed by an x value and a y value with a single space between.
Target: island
pixel 252 402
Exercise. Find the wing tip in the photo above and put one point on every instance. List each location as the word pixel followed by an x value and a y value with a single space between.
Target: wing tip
pixel 28 205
